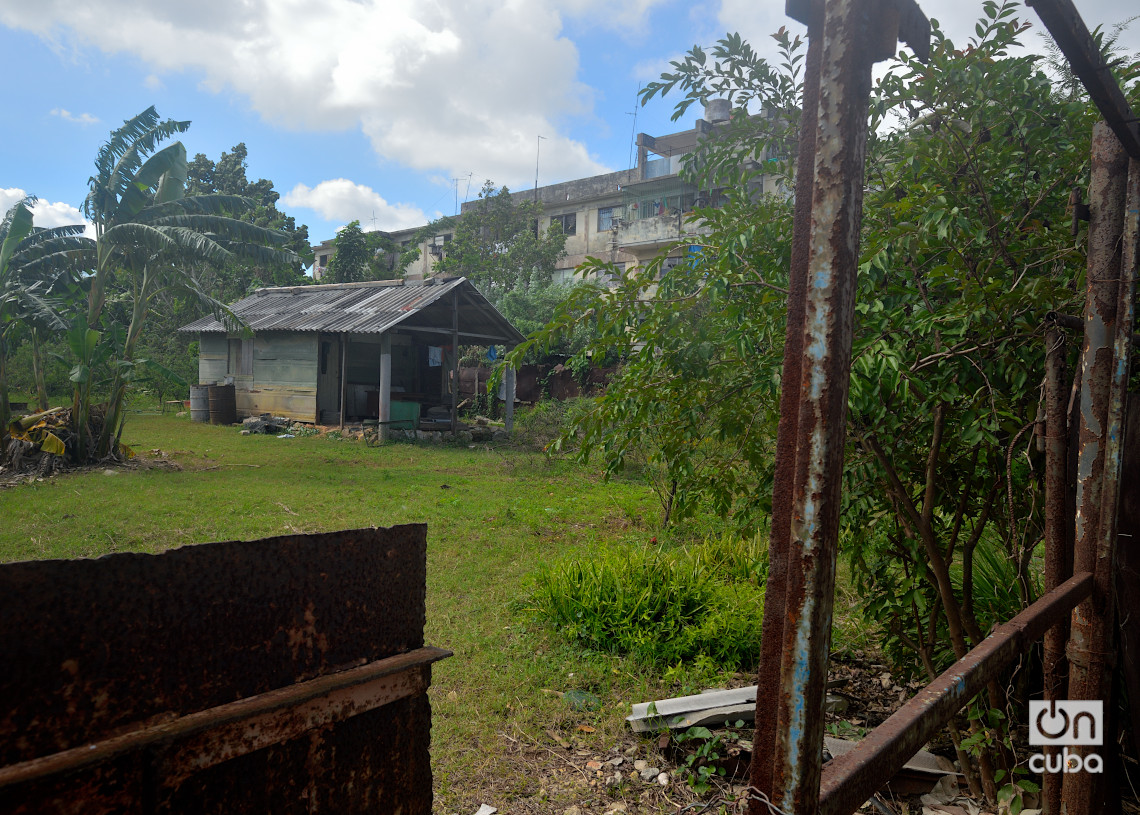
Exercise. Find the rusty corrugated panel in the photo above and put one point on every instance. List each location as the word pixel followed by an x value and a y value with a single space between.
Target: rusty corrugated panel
pixel 281 675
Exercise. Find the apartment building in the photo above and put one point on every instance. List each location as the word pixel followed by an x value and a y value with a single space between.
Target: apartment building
pixel 625 218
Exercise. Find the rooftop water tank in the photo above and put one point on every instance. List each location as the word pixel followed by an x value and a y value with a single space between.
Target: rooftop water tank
pixel 717 110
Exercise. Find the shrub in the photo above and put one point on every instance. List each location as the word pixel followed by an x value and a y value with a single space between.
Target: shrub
pixel 660 606
pixel 537 426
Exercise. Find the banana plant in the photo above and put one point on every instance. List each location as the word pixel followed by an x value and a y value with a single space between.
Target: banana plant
pixel 150 238
pixel 35 264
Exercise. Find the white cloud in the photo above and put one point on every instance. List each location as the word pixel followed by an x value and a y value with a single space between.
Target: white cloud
pixel 755 22
pixel 68 116
pixel 342 200
pixel 455 86
pixel 153 83
pixel 45 213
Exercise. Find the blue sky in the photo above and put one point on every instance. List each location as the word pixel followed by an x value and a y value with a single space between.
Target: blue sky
pixel 363 109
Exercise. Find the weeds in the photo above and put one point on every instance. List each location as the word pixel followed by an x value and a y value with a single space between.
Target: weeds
pixel 662 607
pixel 702 766
pixel 538 426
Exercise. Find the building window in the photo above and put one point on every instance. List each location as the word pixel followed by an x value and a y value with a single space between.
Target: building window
pixel 606 218
pixel 562 277
pixel 323 261
pixel 569 223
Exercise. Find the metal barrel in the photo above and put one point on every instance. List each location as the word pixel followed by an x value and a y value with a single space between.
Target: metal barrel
pixel 199 403
pixel 223 404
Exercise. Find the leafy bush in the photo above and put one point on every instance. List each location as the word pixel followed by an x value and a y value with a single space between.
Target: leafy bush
pixel 547 420
pixel 660 606
pixel 902 599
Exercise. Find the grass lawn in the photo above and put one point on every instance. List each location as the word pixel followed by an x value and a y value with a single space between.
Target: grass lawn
pixel 493 516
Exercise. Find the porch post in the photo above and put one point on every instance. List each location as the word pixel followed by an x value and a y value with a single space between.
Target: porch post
pixel 343 375
pixel 385 415
pixel 509 397
pixel 454 361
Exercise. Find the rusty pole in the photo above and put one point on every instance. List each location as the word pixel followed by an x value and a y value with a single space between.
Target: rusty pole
pixel 1090 638
pixel 772 642
pixel 1128 567
pixel 1058 534
pixel 855 34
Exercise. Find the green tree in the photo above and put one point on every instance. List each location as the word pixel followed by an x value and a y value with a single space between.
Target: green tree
pixel 352 259
pixel 966 248
pixel 228 177
pixel 384 256
pixel 497 243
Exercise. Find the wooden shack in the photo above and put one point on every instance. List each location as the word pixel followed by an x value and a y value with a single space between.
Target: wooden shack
pixel 329 354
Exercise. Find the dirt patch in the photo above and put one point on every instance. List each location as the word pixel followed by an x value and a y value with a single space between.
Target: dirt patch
pixel 42 466
pixel 566 772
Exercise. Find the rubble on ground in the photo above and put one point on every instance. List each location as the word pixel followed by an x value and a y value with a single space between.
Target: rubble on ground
pixel 265 423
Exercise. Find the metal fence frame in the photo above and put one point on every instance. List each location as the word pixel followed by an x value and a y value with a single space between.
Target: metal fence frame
pixel 845 38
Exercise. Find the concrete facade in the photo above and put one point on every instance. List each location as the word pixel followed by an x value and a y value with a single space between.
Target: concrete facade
pixel 625 218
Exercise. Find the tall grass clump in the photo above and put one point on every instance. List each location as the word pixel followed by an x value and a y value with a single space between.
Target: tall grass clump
pixel 662 607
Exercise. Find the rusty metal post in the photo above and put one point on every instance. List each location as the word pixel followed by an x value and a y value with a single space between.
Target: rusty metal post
pixel 779 543
pixel 1091 635
pixel 1058 534
pixel 1128 567
pixel 855 34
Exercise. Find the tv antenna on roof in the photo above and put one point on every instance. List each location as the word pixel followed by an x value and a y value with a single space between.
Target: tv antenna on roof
pixel 633 130
pixel 455 181
pixel 537 153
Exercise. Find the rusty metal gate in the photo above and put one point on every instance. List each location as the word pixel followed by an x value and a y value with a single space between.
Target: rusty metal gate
pixel 284 675
pixel 845 38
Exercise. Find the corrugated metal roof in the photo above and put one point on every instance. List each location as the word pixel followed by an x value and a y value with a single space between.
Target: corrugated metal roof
pixel 367 308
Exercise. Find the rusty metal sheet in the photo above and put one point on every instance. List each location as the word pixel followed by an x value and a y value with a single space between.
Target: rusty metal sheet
pixel 259 676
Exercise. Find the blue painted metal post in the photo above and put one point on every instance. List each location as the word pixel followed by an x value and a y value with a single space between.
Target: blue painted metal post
pixel 855 34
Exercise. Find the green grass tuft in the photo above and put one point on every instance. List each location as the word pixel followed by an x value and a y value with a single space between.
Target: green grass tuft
pixel 662 607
